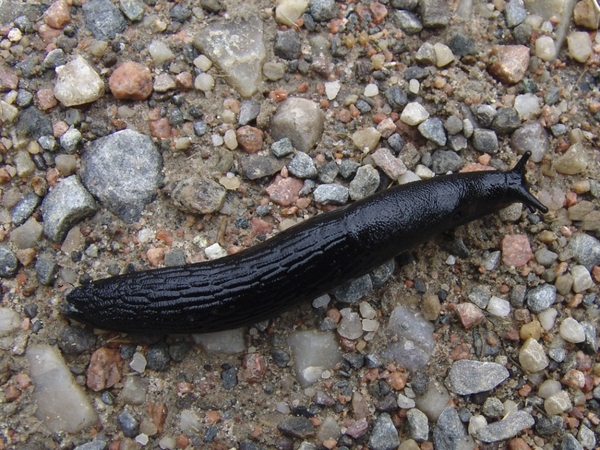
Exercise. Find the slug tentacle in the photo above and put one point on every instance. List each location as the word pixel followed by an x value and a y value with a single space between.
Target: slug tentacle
pixel 300 263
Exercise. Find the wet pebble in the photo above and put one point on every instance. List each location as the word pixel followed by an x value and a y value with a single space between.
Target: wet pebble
pixel 485 140
pixel 328 172
pixel 433 130
pixel 8 262
pixel 531 137
pixel 572 331
pixel 134 390
pixel 586 249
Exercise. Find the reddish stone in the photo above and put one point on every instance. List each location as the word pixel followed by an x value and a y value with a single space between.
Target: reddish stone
pixel 45 99
pixel 344 116
pixel 596 273
pixel 516 250
pixel 469 314
pixel 184 80
pixel 47 33
pixel 357 428
pixel 160 128
pixel 131 81
pixel 59 128
pixel 254 368
pixel 159 415
pixel 510 63
pixel 260 226
pixel 284 191
pixel 104 369
pixel 57 15
pixel 249 138
pixel 11 393
pixel 574 379
pixel 8 81
pixel 379 12
pixel 4 176
pixel 518 444
pixel 461 351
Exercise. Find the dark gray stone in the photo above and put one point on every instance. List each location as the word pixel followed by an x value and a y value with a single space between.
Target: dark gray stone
pixel 395 142
pixel 485 114
pixel 569 442
pixel 586 250
pixel 457 142
pixel 444 161
pixel 288 45
pixel 180 13
pixel 75 340
pixel 515 13
pixel 434 13
pixel 280 358
pixel 46 269
pixel 299 427
pixel 100 443
pixel 348 168
pixel 541 298
pixel 396 97
pixel 448 431
pixel 33 124
pixel 328 172
pixel 365 182
pixel 54 59
pixel 158 358
pixel 323 10
pixel 178 351
pixel 384 435
pixel 282 147
pixel 485 140
pixel 257 166
pixel 175 257
pixel 407 21
pixel 249 111
pixel 229 378
pixel 133 9
pixel 24 208
pixel 103 19
pixel 128 424
pixel 352 291
pixel 200 128
pixel 461 45
pixel 381 274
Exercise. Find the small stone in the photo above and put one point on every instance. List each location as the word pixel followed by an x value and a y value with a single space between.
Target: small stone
pixel 288 45
pixel 288 11
pixel 300 120
pixel 586 249
pixel 249 138
pixel 71 139
pixel 365 182
pixel 249 111
pixel 326 194
pixel 204 82
pixel 444 161
pixel 257 166
pixel 384 435
pixel 10 322
pixel 352 291
pixel 485 140
pixel 350 327
pixel 274 71
pixel 328 172
pixel 323 10
pixel 396 97
pixel 532 330
pixel 160 52
pixel 498 307
pixel 531 137
pixel 413 114
pixel 469 315
pixel 77 83
pixel 558 404
pixel 284 191
pixel 299 427
pixel 573 161
pixel 418 425
pixel 24 208
pixel 302 166
pixel 572 331
pixel 506 428
pixel 579 44
pixel 532 356
pixel 75 340
pixel 545 48
pixel 582 280
pixel 515 13
pixel 516 250
pixel 541 298
pixel 511 64
pixel 198 195
pixel 128 423
pixel 131 81
pixel 104 369
pixel 433 130
pixel 45 269
pixel 103 19
pixel 366 140
pixel 28 234
pixel 449 430
pixel 470 377
pixel 443 54
pixel 393 167
pixel 158 358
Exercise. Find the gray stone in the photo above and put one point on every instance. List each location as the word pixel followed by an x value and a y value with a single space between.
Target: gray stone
pixel 249 111
pixel 24 98
pixel 586 250
pixel 302 166
pixel 103 19
pixel 395 142
pixel 328 194
pixel 133 9
pixel 365 182
pixel 288 45
pixel 299 427
pixel 66 204
pixel 507 428
pixel 470 377
pixel 493 408
pixel 352 291
pixel 123 170
pixel 54 59
pixel 158 357
pixel 328 172
pixel 461 45
pixel 33 124
pixel 485 140
pixel 8 262
pixel 591 336
pixel 485 114
pixel 457 142
pixel 282 147
pixel 382 273
pixel 75 340
pixel 257 166
pixel 444 161
pixel 531 137
pixel 323 10
pixel 541 298
pixel 434 13
pixel 24 208
pixel 47 143
pixel 515 13
pixel 299 119
pixel 433 130
pixel 448 430
pixel 407 21
pixel 506 121
pixel 570 443
pixel 27 235
pixel 418 425
pixel 425 55
pixel 236 48
pixel 46 269
pixel 384 435
pixel 128 423
pixel 348 167
pixel 198 195
pixel 396 97
pixel 453 124
pixel 71 140
pixel 99 443
pixel 308 188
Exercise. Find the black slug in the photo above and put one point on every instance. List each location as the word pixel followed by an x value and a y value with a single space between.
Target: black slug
pixel 301 263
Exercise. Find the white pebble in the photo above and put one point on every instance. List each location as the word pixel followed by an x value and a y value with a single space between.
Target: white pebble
pixel 204 82
pixel 9 321
pixel 370 325
pixel 476 422
pixel 215 251
pixel 558 404
pixel 203 63
pixel 527 106
pixel 414 85
pixel 572 331
pixel 443 54
pixel 167 443
pixel 230 140
pixel 545 48
pixel 498 307
pixel 580 45
pixel 532 356
pixel 322 301
pixel 367 311
pixel 350 326
pixel 138 362
pixel 549 388
pixel 141 439
pixel 332 88
pixel 451 260
pixel 547 318
pixel 217 140
pixel 424 172
pixel 159 52
pixel 371 90
pixel 404 402
pixel 582 280
pixel 413 114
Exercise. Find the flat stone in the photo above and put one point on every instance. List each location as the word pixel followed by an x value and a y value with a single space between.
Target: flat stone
pixel 298 427
pixel 470 377
pixel 531 137
pixel 257 166
pixel 300 120
pixel 198 195
pixel 352 291
pixel 586 249
pixel 448 430
pixel 418 425
pixel 506 428
pixel 393 167
pixel 77 82
pixel 327 194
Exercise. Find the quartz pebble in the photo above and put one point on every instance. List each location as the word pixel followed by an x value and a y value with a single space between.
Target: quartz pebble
pixel 413 114
pixel 498 307
pixel 571 331
pixel 314 352
pixel 532 356
pixel 558 403
pixel 579 44
pixel 10 322
pixel 300 120
pixel 77 83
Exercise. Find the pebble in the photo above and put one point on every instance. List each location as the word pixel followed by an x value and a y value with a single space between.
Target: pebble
pixel 8 262
pixel 366 139
pixel 469 315
pixel 512 63
pixel 189 423
pixel 545 48
pixel 258 166
pixel 493 408
pixel 498 307
pixel 131 81
pixel 571 331
pixel 24 208
pixel 381 274
pixel 547 318
pixel 134 390
pixel 371 90
pixel 470 377
pixel 24 164
pixel 418 425
pixel 229 378
pixel 506 428
pixel 352 291
pixel 384 435
pixel 71 139
pixel 586 249
pixel 299 427
pixel 61 404
pixel 123 171
pixel 288 45
pixel 158 357
pixel 160 52
pixel 104 370
pixel 288 11
pixel 582 280
pixel 237 48
pixel 587 437
pixel 350 327
pixel 328 172
pixel 573 161
pixel 300 120
pixel 516 250
pixel 412 343
pixel 323 10
pixel 515 13
pixel 541 298
pixel 133 9
pixel 46 269
pixel 558 403
pixel 249 111
pixel 128 423
pixel 249 138
pixel 528 106
pixel 532 356
pixel 444 161
pixel 443 54
pixel 396 97
pixel 365 182
pixel 10 322
pixel 413 114
pixel 103 19
pixel 99 443
pixel 284 191
pixel 302 166
pixel 393 167
pixel 433 130
pixel 485 140
pixel 75 340
pixel 77 83
pixel 198 195
pixel 506 121
pixel 54 58
pixel 335 194
pixel 448 431
pixel 579 44
pixel 282 147
pixel 314 352
pixel 66 205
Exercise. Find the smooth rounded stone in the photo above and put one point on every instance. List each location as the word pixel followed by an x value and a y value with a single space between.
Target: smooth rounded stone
pixel 396 97
pixel 443 54
pixel 527 106
pixel 541 298
pixel 300 120
pixel 200 128
pixel 582 280
pixel 547 318
pixel 418 425
pixel 453 124
pixel 514 13
pixel 444 161
pixel 323 10
pixel 77 82
pixel 506 428
pixel 257 166
pixel 249 111
pixel 485 140
pixel 129 425
pixel 327 194
pixel 571 331
pixel 410 339
pixel 579 44
pixel 413 114
pixel 470 377
pixel 230 342
pixel 133 9
pixel 448 431
pixel 532 356
pixel 158 357
pixel 384 435
pixel 531 137
pixel 350 327
pixel 545 48
pixel 75 340
pixel 24 208
pixel 236 47
pixel 302 166
pixel 586 249
pixel 27 235
pixel 498 307
pixel 395 142
pixel 189 423
pixel 198 195
pixel 288 11
pixel 352 291
pixel 557 354
pixel 138 362
pixel 505 121
pixel 103 19
pixel 61 404
pixel 10 322
pixel 371 90
pixel 204 82
pixel 558 403
pixel 71 140
pixel 123 170
pixel 8 262
pixel 314 352
pixel 433 130
pixel 46 269
pixel 288 45
pixel 545 257
pixel 573 161
pixel 280 358
pixel 407 21
pixel 366 139
pixel 548 388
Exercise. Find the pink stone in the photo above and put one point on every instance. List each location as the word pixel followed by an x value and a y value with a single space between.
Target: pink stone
pixel 8 81
pixel 357 428
pixel 57 15
pixel 131 81
pixel 469 314
pixel 510 63
pixel 254 368
pixel 392 166
pixel 45 99
pixel 249 138
pixel 284 191
pixel 104 369
pixel 516 250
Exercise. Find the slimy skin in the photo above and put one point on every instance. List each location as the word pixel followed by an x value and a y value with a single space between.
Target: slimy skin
pixel 299 264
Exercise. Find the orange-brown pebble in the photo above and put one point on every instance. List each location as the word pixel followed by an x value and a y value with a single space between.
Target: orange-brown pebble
pixel 254 368
pixel 516 250
pixel 518 444
pixel 511 64
pixel 278 95
pixel 11 393
pixel 397 380
pixel 182 441
pixel 379 117
pixel 45 99
pixel 57 15
pixel 260 226
pixel 334 26
pixel 249 138
pixel 512 335
pixel 159 415
pixel 184 80
pixel 59 128
pixel 165 236
pixel 48 34
pixel 329 443
pixel 232 104
pixel 4 176
pixel 104 369
pixel 155 256
pixel 461 351
pixel 469 314
pixel 348 345
pixel 160 128
pixel 302 87
pixel 212 417
pixel 334 314
pixel 525 391
pixel 344 116
pixel 131 81
pixel 574 378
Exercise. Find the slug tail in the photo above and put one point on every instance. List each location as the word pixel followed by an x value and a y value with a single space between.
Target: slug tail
pixel 526 197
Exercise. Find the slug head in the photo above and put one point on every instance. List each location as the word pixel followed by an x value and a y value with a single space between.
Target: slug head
pixel 517 186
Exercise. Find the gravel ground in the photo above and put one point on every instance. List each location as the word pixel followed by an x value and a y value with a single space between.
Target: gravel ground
pixel 146 134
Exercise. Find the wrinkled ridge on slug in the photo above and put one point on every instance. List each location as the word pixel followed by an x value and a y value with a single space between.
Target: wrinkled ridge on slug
pixel 298 264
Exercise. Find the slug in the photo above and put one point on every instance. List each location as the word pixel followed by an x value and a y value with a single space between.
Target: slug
pixel 299 264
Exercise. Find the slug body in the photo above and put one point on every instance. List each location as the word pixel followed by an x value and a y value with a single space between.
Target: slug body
pixel 299 264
